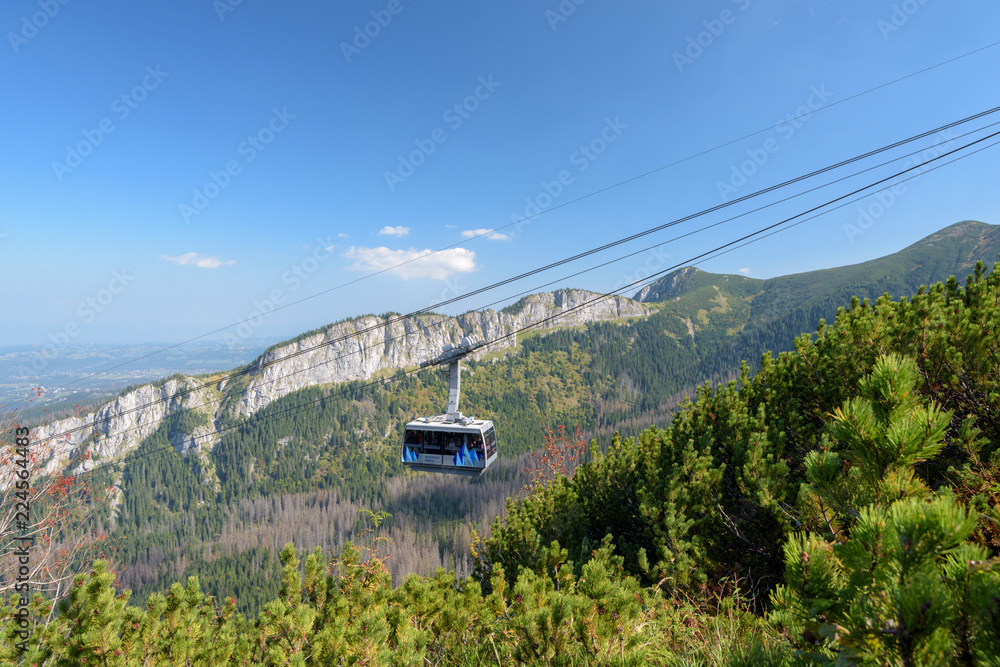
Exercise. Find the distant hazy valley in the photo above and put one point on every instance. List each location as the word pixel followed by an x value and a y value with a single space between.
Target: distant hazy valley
pixel 67 374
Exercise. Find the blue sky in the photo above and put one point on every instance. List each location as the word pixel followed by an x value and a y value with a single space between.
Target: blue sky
pixel 173 168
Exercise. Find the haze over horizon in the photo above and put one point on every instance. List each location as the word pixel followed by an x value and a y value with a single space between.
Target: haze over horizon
pixel 174 170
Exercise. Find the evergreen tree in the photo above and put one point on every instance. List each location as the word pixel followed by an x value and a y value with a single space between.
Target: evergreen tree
pixel 894 580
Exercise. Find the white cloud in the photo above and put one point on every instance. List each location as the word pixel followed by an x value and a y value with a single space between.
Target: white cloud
pixel 489 233
pixel 342 235
pixel 745 270
pixel 418 263
pixel 199 260
pixel 394 231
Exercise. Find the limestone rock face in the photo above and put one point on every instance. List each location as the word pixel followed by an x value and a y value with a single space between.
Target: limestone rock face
pixel 351 350
pixel 117 427
pixel 201 439
pixel 356 350
pixel 666 287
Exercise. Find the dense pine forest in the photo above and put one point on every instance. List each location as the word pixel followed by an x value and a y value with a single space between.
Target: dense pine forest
pixel 837 504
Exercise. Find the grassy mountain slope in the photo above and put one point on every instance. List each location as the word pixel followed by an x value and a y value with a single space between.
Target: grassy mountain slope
pixel 952 251
pixel 734 317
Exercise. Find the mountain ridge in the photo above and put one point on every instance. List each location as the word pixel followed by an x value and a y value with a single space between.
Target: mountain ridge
pixel 724 314
pixel 354 349
pixel 815 295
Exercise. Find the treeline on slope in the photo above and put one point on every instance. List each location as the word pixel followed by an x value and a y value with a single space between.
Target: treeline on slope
pixel 648 366
pixel 713 499
pixel 72 407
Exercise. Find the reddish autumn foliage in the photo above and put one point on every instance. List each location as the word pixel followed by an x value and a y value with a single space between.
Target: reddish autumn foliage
pixel 59 528
pixel 562 454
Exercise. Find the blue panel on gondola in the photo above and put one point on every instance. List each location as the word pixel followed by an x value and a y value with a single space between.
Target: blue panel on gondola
pixel 466 457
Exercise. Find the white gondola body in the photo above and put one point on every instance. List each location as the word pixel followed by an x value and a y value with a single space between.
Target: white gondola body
pixel 436 444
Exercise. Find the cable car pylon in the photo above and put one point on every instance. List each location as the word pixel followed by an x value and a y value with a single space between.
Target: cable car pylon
pixel 453 355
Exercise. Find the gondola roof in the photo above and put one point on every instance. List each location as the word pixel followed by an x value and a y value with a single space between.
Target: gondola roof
pixel 442 423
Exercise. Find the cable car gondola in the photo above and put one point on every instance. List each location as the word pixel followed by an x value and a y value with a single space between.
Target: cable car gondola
pixel 450 443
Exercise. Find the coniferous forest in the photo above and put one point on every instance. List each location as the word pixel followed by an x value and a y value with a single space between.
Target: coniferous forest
pixel 833 504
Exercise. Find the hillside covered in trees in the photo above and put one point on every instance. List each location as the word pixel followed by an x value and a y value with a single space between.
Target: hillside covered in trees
pixel 838 506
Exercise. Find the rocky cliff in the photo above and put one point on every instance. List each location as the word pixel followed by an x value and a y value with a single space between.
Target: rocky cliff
pixel 358 349
pixel 120 425
pixel 353 350
pixel 667 287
